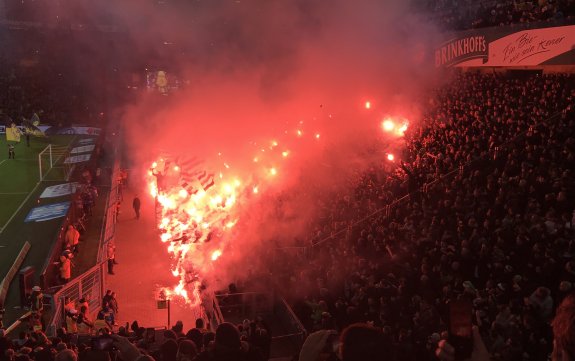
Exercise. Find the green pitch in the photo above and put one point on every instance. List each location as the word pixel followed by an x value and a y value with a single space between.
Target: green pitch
pixel 19 193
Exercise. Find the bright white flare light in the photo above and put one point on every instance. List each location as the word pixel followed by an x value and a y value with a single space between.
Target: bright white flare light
pixel 217 253
pixel 388 125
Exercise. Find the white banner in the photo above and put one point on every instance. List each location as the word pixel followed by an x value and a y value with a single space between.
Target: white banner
pixel 83 149
pixel 86 141
pixel 78 158
pixel 59 190
pixel 531 47
pixel 507 46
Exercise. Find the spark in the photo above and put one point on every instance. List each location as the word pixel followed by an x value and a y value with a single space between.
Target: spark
pixel 390 157
pixel 316 135
pixel 177 169
pixel 216 254
pixel 255 190
pixel 273 171
pixel 299 133
pixel 402 129
pixel 368 105
pixel 388 125
pixel 285 153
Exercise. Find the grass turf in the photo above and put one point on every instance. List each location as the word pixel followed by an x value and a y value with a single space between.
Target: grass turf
pixel 19 193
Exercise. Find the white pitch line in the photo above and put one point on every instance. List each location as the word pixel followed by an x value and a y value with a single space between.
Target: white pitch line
pixel 31 192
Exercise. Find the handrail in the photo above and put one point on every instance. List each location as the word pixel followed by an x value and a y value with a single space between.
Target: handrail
pixel 217 311
pixel 17 323
pixel 294 316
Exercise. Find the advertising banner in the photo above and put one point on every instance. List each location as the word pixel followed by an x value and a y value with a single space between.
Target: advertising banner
pixel 509 47
pixel 47 212
pixel 86 141
pixel 83 149
pixel 78 158
pixel 59 190
pixel 49 130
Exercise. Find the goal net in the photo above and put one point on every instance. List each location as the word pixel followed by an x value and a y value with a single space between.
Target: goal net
pixel 50 163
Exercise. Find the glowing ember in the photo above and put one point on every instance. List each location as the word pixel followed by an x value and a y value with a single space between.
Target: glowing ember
pixel 402 129
pixel 390 157
pixel 285 153
pixel 317 136
pixel 273 171
pixel 299 133
pixel 388 125
pixel 367 105
pixel 396 125
pixel 217 253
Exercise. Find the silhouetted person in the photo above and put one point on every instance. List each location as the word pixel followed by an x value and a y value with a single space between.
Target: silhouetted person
pixel 136 205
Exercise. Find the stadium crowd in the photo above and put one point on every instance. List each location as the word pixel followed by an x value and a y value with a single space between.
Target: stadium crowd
pixel 489 216
pixel 466 14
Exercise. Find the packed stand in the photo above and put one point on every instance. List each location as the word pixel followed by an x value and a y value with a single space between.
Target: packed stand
pixel 498 229
pixel 467 14
pixel 105 340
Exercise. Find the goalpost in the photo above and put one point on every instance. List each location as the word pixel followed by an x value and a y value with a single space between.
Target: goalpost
pixel 45 161
pixel 49 160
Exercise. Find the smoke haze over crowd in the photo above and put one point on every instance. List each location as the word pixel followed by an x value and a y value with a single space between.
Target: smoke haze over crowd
pixel 297 73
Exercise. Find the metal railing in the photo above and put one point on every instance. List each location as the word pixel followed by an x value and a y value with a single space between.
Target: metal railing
pixel 289 332
pixel 89 285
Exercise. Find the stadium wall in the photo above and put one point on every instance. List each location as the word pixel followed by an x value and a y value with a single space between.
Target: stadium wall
pixel 511 46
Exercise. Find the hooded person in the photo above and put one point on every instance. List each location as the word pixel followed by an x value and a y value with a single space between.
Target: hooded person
pixel 228 347
pixel 169 350
pixel 187 351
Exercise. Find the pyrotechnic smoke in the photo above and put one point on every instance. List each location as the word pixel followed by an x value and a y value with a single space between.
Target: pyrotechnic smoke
pixel 316 77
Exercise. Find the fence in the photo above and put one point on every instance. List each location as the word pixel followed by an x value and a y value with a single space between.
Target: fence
pixel 89 285
pixel 288 332
pixel 109 228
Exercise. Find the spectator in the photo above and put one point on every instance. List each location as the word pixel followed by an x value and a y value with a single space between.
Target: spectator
pixel 227 346
pixel 187 351
pixel 178 328
pixel 72 238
